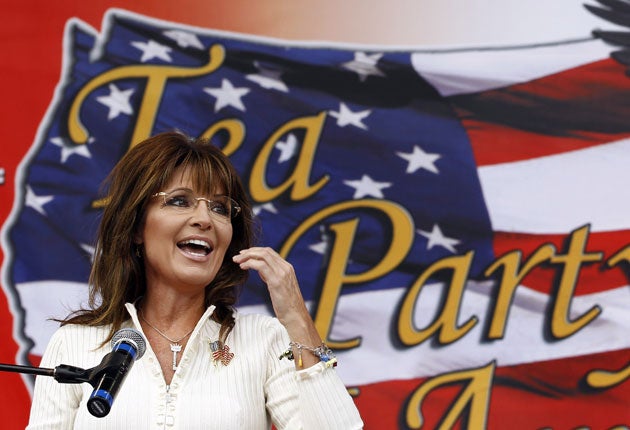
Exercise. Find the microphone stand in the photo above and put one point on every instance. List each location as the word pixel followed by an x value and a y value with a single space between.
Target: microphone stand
pixel 67 374
pixel 63 373
pixel 104 378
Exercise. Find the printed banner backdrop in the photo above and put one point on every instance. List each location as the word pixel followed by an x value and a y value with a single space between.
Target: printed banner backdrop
pixel 457 217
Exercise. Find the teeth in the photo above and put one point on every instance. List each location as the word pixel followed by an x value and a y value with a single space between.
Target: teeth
pixel 196 242
pixel 196 246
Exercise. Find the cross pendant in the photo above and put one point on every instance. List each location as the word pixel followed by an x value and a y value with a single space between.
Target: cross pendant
pixel 175 347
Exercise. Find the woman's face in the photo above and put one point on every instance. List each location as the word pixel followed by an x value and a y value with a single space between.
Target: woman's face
pixel 183 248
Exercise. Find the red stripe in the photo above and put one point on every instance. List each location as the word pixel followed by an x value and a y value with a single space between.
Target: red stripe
pixel 15 400
pixel 575 109
pixel 549 394
pixel 593 278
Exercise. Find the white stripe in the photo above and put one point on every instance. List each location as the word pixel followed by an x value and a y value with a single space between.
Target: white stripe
pixel 43 300
pixel 371 316
pixel 559 193
pixel 463 72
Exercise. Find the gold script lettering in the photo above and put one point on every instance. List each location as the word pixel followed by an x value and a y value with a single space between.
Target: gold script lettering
pixel 476 394
pixel 156 76
pixel 336 277
pixel 259 189
pixel 446 322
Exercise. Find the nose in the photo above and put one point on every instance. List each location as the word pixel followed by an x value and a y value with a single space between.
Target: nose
pixel 201 216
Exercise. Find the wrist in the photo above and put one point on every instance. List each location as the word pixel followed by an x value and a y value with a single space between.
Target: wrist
pixel 322 352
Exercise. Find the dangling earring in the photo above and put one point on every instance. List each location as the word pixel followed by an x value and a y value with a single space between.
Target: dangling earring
pixel 138 251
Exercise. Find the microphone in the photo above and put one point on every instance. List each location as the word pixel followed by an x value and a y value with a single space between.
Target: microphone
pixel 128 345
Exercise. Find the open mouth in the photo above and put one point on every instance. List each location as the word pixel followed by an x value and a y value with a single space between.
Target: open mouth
pixel 195 246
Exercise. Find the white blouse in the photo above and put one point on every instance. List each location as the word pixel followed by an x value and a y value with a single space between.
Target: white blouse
pixel 253 391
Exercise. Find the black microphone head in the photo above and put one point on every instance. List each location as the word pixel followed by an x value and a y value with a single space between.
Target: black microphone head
pixel 133 337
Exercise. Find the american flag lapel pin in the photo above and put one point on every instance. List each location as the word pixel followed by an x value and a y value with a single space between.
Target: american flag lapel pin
pixel 220 353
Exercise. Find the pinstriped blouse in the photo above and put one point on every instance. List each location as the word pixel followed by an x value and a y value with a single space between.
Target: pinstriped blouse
pixel 253 391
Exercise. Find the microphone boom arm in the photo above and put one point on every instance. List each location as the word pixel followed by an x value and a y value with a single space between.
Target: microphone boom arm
pixel 63 373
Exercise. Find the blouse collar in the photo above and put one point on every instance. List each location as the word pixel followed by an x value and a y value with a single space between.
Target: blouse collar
pixel 133 312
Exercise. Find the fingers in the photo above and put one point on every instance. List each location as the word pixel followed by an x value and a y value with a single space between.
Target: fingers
pixel 268 263
pixel 262 254
pixel 280 278
pixel 284 291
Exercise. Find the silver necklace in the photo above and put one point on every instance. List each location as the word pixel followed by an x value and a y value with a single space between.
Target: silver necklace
pixel 176 346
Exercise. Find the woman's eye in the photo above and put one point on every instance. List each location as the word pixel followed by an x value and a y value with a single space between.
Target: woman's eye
pixel 220 208
pixel 179 201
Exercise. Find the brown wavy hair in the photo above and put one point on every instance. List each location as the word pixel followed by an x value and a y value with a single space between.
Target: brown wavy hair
pixel 118 274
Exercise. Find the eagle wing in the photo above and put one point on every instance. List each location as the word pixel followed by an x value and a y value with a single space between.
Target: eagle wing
pixel 616 12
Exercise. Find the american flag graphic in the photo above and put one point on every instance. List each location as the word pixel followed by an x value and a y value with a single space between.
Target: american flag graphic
pixel 458 219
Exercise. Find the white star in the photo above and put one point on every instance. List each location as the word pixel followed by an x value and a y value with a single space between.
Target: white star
pixel 268 79
pixel 322 246
pixel 364 65
pixel 117 101
pixel 152 49
pixel 35 201
pixel 366 186
pixel 319 247
pixel 269 207
pixel 184 39
pixel 287 148
pixel 227 95
pixel 346 117
pixel 68 149
pixel 419 159
pixel 437 238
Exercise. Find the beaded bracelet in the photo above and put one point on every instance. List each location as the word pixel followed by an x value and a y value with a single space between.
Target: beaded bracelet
pixel 324 353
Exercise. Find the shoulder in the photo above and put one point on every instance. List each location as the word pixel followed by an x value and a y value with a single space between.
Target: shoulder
pixel 75 331
pixel 80 342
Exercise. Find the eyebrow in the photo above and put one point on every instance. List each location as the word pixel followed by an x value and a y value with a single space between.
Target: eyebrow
pixel 193 191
